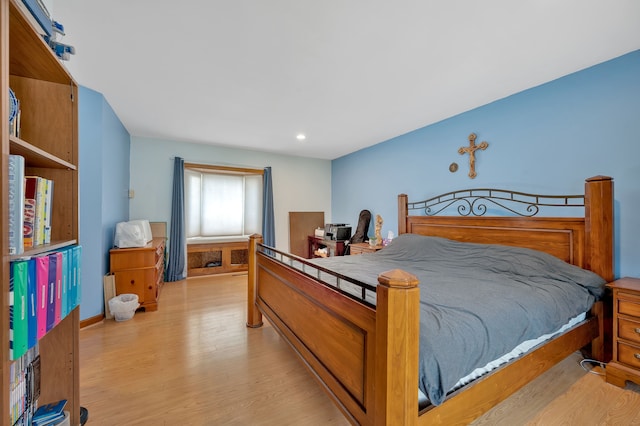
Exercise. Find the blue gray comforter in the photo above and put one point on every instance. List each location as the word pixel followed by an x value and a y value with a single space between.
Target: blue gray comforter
pixel 477 301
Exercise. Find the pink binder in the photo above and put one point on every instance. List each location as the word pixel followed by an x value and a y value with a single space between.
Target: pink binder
pixel 42 278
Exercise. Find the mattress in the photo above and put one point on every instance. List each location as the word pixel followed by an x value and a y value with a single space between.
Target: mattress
pixel 519 350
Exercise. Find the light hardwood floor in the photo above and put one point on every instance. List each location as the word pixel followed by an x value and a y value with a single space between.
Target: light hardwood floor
pixel 193 362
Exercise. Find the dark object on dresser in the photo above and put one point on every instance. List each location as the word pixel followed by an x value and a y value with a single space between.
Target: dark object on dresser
pixel 361 230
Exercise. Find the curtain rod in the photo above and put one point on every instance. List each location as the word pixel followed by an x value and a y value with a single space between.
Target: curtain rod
pixel 222 166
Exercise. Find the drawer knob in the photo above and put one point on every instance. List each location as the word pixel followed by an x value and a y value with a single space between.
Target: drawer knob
pixel 133 281
pixel 637 355
pixel 637 330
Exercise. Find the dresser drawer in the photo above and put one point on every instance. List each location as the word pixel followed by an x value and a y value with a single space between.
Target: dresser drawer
pixel 629 330
pixel 362 248
pixel 128 258
pixel 151 291
pixel 629 355
pixel 629 304
pixel 159 265
pixel 136 281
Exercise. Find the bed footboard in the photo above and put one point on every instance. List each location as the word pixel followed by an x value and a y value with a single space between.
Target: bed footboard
pixel 365 359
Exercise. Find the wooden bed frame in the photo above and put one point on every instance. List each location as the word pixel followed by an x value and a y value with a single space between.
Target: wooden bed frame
pixel 366 357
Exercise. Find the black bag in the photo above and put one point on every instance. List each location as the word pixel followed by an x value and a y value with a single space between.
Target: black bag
pixel 360 236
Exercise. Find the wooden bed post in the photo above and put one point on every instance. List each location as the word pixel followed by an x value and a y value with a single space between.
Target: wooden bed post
pixel 403 212
pixel 254 316
pixel 397 346
pixel 598 214
pixel 598 201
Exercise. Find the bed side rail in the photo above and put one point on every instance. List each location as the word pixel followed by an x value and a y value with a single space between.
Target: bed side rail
pixel 350 287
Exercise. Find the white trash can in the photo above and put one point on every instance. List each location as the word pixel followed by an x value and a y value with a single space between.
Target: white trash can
pixel 124 306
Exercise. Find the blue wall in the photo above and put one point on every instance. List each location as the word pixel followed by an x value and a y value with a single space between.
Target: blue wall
pixel 547 139
pixel 104 182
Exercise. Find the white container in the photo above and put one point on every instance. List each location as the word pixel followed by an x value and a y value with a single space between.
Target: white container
pixel 66 421
pixel 135 233
pixel 124 306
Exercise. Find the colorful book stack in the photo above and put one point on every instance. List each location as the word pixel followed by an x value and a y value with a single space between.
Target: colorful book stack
pixel 30 203
pixel 43 289
pixel 49 414
pixel 24 388
pixel 37 211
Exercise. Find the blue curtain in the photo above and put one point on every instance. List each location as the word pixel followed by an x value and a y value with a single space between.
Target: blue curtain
pixel 176 268
pixel 268 227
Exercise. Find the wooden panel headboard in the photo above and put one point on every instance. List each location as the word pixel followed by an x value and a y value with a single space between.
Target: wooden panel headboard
pixel 585 241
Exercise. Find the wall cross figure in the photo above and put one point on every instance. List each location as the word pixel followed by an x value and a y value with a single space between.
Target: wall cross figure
pixel 471 150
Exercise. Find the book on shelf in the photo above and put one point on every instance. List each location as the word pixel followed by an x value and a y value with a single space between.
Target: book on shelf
pixel 24 387
pixel 14 120
pixel 41 194
pixel 70 263
pixel 75 266
pixel 64 302
pixel 18 309
pixel 29 220
pixel 49 414
pixel 48 201
pixel 38 202
pixel 51 291
pixel 16 204
pixel 32 304
pixel 42 278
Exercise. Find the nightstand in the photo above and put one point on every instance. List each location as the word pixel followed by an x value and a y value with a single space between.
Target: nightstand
pixel 334 248
pixel 362 248
pixel 625 364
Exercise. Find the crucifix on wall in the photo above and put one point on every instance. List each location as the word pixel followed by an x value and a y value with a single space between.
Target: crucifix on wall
pixel 471 150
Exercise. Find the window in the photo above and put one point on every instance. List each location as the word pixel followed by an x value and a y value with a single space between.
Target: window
pixel 222 202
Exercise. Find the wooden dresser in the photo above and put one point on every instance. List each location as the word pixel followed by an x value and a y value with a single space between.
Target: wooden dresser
pixel 625 364
pixel 140 270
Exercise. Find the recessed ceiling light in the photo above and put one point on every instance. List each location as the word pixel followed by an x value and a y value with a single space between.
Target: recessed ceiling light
pixel 301 136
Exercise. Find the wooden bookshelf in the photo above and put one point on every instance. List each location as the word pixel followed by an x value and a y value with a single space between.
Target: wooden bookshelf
pixel 49 143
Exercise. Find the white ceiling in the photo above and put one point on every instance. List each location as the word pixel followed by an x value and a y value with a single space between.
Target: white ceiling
pixel 347 73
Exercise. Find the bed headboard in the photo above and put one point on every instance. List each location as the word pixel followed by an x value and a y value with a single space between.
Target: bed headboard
pixel 585 241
